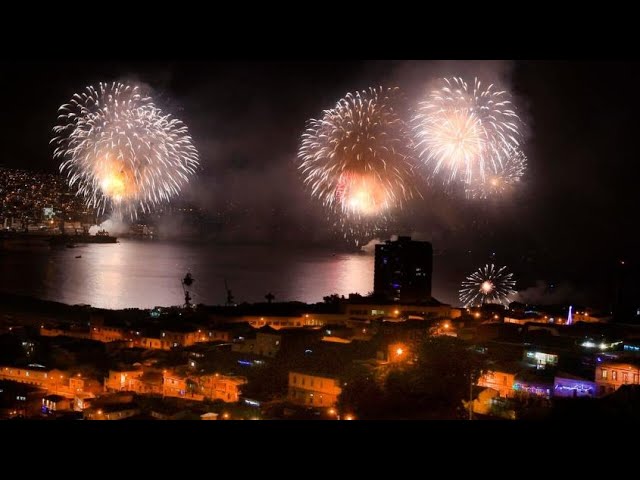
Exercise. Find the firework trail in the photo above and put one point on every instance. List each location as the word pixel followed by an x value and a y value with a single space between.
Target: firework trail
pixel 498 182
pixel 487 285
pixel 466 130
pixel 121 151
pixel 357 159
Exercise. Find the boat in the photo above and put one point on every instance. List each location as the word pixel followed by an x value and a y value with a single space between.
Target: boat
pixel 100 237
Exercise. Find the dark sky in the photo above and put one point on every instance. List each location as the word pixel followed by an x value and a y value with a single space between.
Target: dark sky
pixel 570 223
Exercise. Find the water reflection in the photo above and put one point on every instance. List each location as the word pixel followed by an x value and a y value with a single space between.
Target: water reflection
pixel 145 274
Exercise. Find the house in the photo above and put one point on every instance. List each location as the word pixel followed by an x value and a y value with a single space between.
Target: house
pixel 530 383
pixel 572 386
pixel 55 403
pixel 20 399
pixel 612 374
pixel 182 383
pixel 313 389
pixel 116 411
pixel 501 378
pixel 120 380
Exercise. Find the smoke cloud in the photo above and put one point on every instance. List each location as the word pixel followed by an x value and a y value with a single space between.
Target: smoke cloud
pixel 544 294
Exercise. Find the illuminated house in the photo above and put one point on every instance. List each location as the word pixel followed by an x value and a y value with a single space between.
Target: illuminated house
pixel 36 375
pixel 121 380
pixel 268 341
pixel 571 386
pixel 221 387
pixel 69 332
pixel 55 403
pixel 541 360
pixel 20 400
pixel 500 379
pixel 277 322
pixel 611 375
pixel 82 401
pixel 107 334
pixel 489 402
pixel 368 309
pixel 265 344
pixel 313 389
pixel 200 386
pixel 532 384
pixel 112 412
pixel 115 406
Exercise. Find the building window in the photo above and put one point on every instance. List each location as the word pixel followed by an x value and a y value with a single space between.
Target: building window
pixel 604 374
pixel 614 375
pixel 635 378
pixel 294 379
pixel 625 377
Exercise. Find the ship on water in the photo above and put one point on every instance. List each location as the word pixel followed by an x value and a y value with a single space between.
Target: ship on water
pixel 22 241
pixel 65 239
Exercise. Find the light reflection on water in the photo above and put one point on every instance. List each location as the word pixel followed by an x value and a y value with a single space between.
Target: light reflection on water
pixel 136 273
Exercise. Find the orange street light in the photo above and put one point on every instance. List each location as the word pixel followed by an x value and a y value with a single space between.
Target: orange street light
pixel 349 417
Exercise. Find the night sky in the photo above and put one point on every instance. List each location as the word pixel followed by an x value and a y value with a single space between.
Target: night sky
pixel 569 225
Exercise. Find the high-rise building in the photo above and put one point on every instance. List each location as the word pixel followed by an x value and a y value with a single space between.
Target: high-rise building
pixel 403 270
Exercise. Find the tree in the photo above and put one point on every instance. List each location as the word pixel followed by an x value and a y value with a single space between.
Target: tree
pixel 331 299
pixel 270 297
pixel 432 388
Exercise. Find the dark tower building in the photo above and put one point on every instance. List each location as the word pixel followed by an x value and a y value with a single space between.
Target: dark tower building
pixel 403 270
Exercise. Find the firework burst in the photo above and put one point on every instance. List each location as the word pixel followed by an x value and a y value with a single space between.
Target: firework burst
pixel 357 159
pixel 466 130
pixel 487 285
pixel 499 182
pixel 121 151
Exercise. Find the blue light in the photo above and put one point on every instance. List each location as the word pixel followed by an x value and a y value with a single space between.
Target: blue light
pixel 245 362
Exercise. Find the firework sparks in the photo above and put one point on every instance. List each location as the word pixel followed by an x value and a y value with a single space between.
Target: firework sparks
pixel 123 153
pixel 466 130
pixel 357 159
pixel 487 285
pixel 499 182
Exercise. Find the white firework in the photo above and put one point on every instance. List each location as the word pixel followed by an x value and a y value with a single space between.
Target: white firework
pixel 488 284
pixel 121 151
pixel 466 129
